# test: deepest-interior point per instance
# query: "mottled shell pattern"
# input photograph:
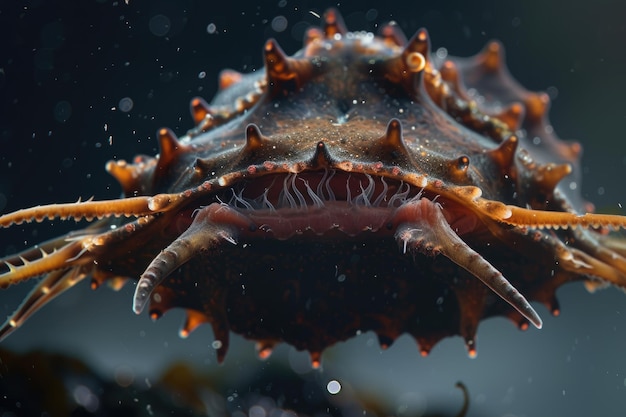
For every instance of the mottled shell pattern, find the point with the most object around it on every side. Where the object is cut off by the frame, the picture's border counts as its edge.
(360, 185)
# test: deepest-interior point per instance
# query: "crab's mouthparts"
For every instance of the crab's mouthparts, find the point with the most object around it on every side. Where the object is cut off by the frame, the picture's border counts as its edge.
(321, 203)
(325, 202)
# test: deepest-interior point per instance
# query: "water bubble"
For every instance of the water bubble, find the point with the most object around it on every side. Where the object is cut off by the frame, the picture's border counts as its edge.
(216, 344)
(86, 398)
(159, 25)
(124, 376)
(125, 104)
(371, 15)
(257, 411)
(279, 23)
(553, 92)
(211, 28)
(62, 111)
(299, 29)
(333, 387)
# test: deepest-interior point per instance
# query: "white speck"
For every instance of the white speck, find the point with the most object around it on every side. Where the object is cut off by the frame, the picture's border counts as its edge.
(333, 387)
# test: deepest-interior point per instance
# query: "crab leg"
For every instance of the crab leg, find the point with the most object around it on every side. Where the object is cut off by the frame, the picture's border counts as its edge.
(53, 285)
(211, 225)
(60, 259)
(134, 206)
(552, 219)
(422, 227)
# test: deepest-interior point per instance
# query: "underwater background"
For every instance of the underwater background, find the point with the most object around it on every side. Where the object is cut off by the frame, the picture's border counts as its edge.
(83, 82)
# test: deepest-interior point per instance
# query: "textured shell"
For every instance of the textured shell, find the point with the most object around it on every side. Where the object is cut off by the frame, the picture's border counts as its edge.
(373, 107)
